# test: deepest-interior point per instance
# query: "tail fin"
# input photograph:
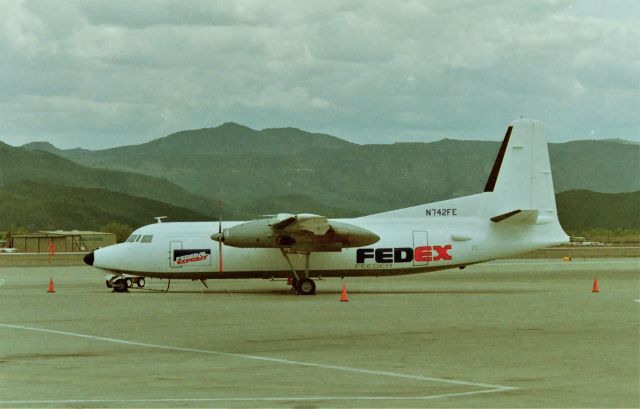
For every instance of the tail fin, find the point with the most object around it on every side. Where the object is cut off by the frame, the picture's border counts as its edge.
(521, 175)
(518, 194)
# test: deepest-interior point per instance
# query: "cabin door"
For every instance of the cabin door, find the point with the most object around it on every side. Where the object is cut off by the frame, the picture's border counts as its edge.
(174, 245)
(420, 240)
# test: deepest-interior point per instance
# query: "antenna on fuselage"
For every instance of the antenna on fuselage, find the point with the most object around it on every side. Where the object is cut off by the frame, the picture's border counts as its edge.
(159, 218)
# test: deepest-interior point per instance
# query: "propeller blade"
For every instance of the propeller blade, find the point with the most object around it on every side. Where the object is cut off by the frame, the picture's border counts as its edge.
(220, 253)
(220, 234)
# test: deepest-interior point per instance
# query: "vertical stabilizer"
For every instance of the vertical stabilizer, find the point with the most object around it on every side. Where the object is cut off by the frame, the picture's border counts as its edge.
(521, 175)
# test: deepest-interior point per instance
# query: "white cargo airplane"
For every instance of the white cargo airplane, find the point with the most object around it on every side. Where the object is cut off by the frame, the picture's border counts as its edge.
(515, 214)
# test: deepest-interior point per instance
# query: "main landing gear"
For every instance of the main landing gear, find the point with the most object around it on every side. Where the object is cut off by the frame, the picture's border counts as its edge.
(301, 285)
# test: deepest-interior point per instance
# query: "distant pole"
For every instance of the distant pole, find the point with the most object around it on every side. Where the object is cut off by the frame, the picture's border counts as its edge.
(52, 249)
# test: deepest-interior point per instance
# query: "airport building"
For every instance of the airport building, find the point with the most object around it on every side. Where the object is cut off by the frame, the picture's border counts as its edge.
(64, 241)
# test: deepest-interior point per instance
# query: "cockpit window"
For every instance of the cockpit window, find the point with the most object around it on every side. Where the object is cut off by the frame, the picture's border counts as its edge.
(146, 238)
(132, 238)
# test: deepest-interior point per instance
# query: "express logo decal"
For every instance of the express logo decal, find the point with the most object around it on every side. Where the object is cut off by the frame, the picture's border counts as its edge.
(201, 257)
(420, 254)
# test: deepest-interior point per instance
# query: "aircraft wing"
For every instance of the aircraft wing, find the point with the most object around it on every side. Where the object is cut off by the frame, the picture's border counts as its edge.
(300, 232)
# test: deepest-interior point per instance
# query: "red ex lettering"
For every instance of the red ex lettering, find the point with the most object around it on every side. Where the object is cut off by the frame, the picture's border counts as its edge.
(425, 253)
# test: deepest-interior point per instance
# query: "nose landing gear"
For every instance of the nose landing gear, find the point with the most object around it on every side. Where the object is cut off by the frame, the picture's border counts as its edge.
(121, 284)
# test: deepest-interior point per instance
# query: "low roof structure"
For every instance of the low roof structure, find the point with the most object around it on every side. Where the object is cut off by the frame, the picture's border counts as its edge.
(63, 240)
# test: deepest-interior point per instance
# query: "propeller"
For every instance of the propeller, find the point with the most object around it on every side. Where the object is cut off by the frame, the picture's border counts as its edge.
(220, 235)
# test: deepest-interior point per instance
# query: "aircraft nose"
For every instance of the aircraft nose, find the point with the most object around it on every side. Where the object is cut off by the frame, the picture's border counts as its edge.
(88, 259)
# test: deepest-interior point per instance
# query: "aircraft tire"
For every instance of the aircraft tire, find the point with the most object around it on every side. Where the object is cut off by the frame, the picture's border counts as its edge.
(306, 287)
(128, 282)
(108, 283)
(140, 283)
(120, 285)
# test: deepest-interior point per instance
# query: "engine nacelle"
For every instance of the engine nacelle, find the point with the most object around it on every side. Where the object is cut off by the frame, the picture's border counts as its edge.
(253, 234)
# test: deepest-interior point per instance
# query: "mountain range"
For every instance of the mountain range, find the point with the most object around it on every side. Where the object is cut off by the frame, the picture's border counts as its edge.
(245, 167)
(43, 206)
(290, 170)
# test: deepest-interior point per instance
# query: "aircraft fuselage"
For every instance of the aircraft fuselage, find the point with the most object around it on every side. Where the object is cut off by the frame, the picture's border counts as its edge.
(406, 246)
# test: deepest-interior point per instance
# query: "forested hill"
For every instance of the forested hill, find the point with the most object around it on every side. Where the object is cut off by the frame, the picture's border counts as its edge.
(43, 206)
(581, 210)
(19, 165)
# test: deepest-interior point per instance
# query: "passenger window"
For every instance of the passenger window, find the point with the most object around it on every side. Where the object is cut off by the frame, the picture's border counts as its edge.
(146, 238)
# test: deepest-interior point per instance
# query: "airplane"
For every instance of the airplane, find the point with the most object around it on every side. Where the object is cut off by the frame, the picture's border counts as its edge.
(516, 213)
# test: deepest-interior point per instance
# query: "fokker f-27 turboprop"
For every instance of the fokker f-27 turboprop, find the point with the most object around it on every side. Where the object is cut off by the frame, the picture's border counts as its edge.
(515, 213)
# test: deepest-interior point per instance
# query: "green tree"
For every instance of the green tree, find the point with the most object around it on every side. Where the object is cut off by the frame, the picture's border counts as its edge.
(13, 229)
(122, 231)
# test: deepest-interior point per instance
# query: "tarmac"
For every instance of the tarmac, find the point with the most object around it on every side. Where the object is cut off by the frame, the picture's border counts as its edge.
(510, 333)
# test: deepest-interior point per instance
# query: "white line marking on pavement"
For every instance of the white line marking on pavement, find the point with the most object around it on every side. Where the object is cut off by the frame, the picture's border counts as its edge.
(551, 263)
(494, 388)
(249, 399)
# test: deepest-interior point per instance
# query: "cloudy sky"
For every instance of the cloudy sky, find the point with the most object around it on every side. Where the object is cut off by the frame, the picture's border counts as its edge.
(104, 73)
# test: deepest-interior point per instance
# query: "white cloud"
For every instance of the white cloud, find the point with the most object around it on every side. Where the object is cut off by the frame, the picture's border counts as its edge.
(100, 73)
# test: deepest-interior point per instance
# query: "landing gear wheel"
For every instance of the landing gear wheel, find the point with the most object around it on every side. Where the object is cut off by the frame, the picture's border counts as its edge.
(128, 282)
(108, 283)
(306, 287)
(140, 282)
(119, 285)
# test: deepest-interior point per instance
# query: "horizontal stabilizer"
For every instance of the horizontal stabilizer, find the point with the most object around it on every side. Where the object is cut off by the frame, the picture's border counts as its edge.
(517, 217)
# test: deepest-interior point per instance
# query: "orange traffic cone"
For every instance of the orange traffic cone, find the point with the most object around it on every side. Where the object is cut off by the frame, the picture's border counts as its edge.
(595, 286)
(344, 297)
(51, 289)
